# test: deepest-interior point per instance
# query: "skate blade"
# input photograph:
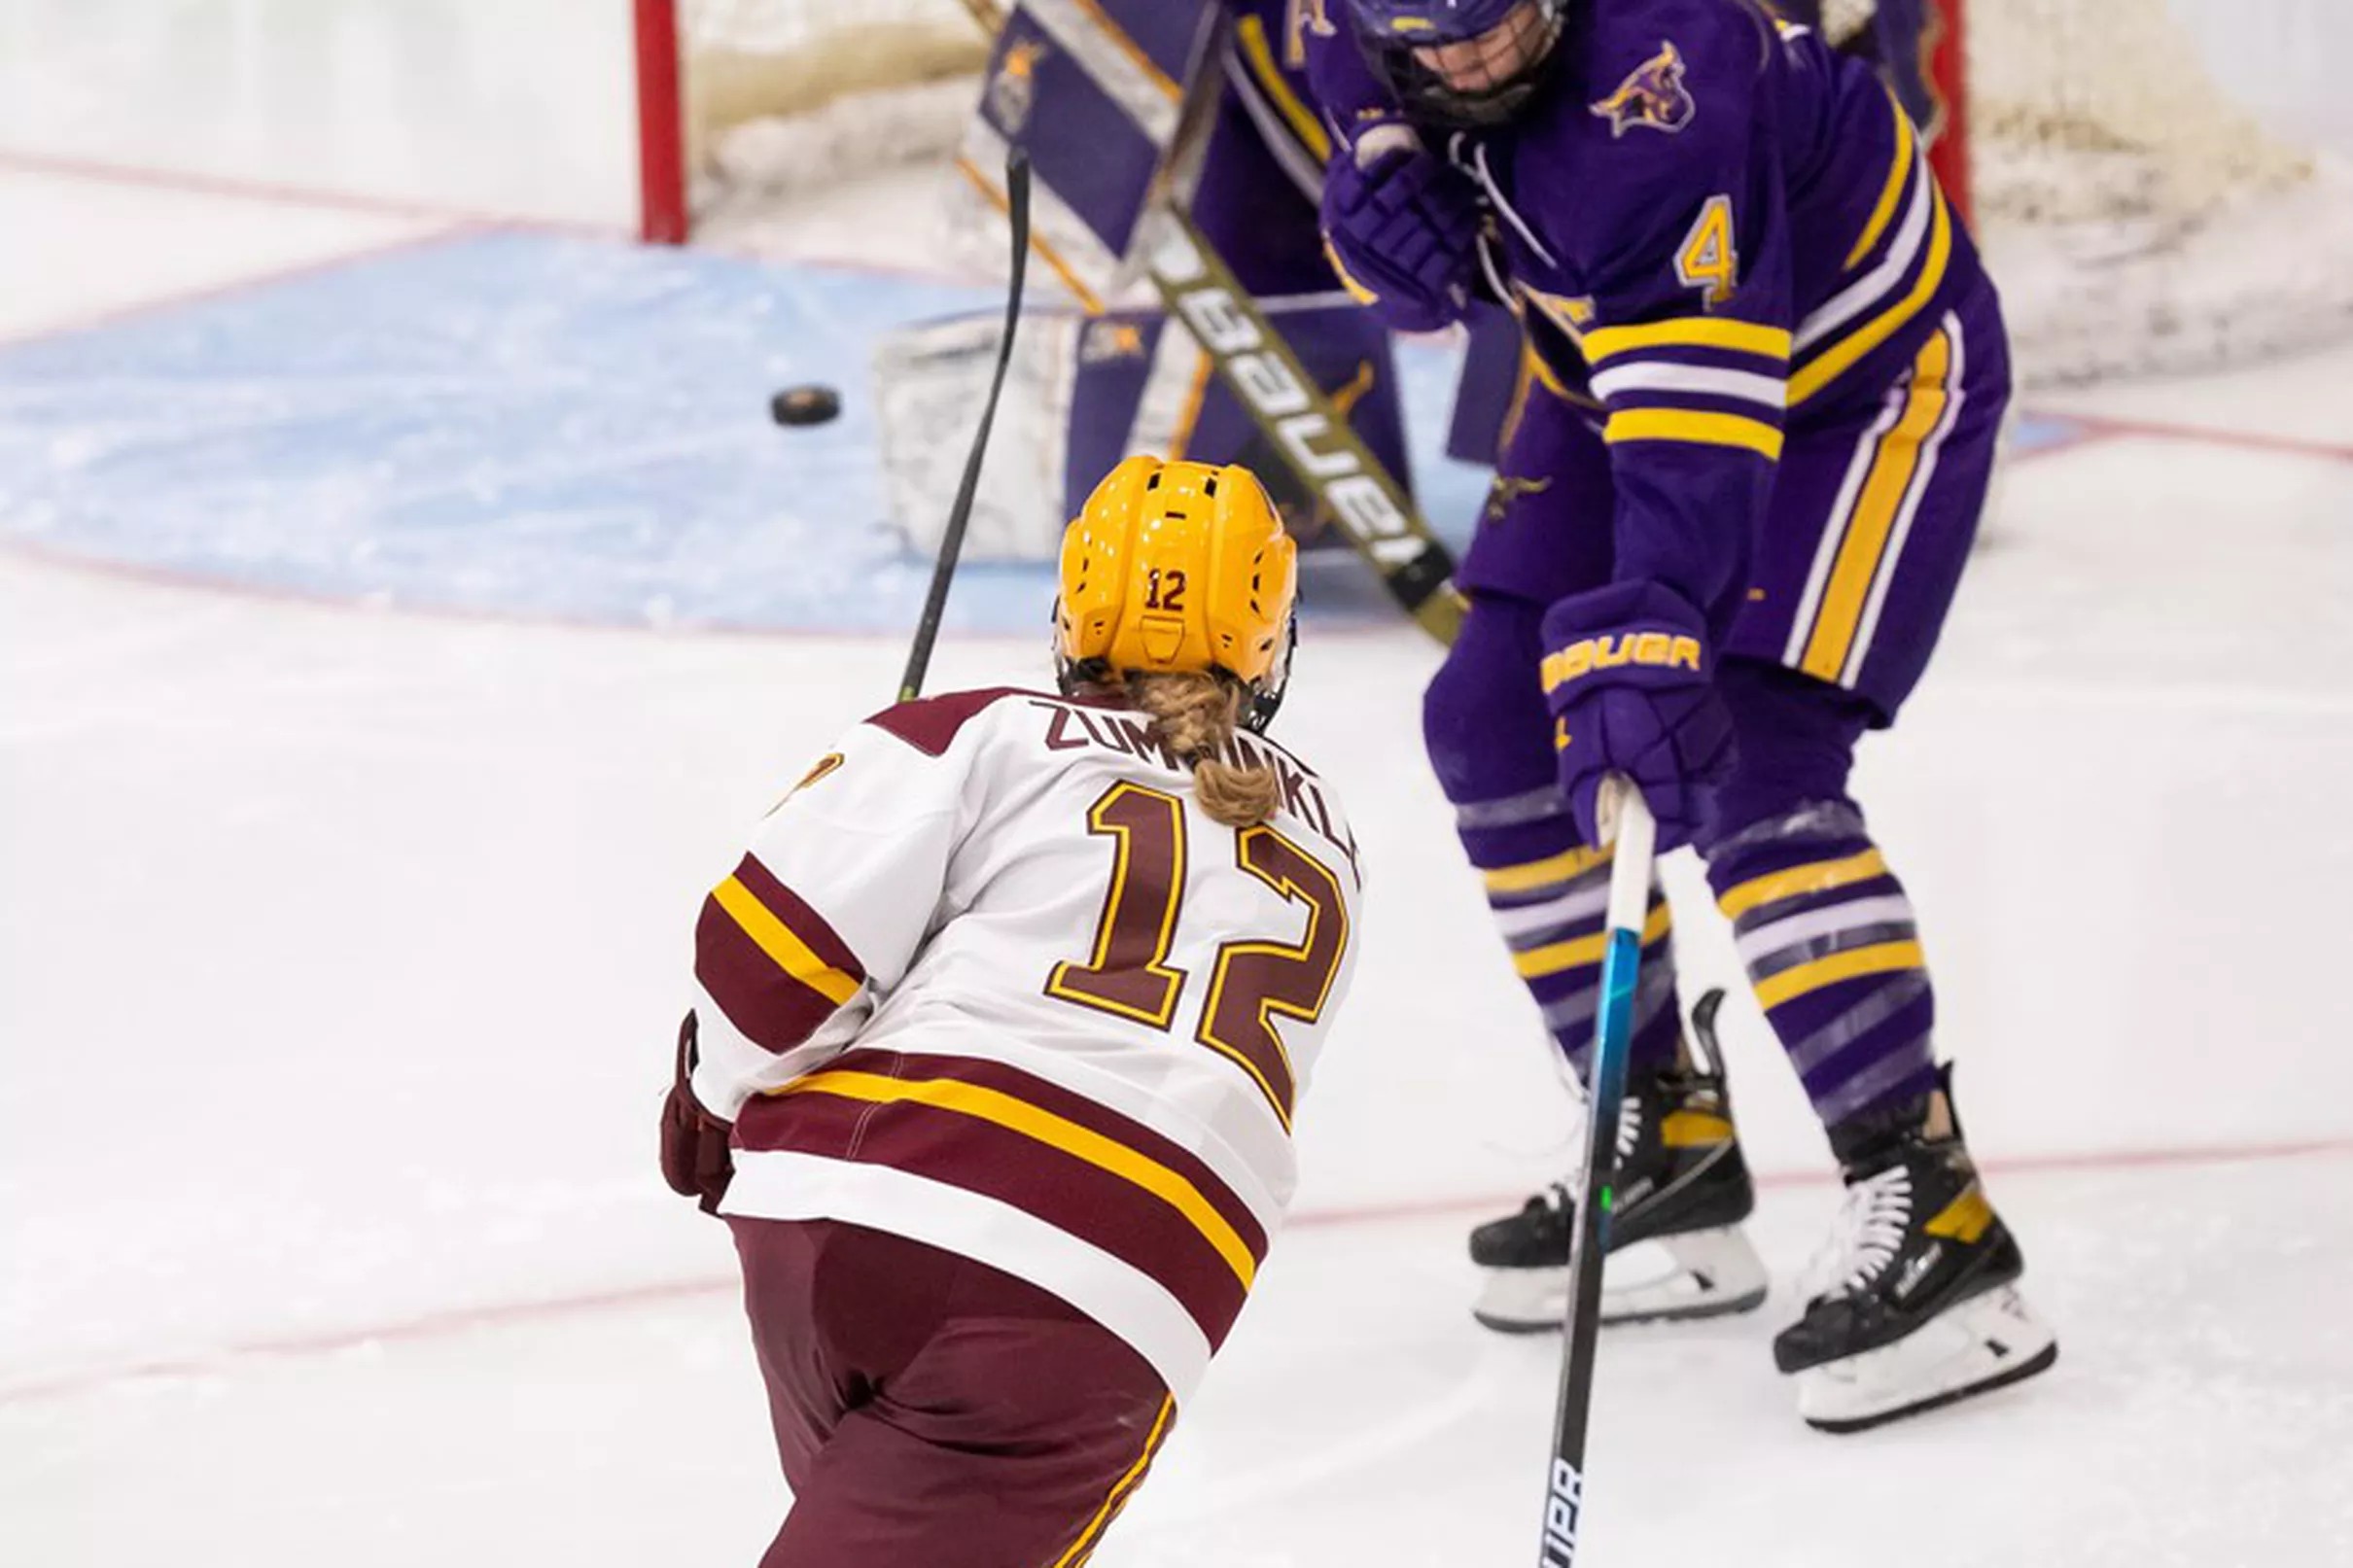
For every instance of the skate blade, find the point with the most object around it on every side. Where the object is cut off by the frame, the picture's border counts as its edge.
(1986, 1343)
(1668, 1278)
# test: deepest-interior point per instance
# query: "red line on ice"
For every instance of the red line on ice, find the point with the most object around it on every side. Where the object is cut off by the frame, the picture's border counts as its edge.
(2244, 440)
(2093, 427)
(153, 178)
(228, 287)
(465, 1320)
(2082, 431)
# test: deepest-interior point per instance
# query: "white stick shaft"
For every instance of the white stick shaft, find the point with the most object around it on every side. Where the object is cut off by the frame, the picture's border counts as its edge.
(1637, 839)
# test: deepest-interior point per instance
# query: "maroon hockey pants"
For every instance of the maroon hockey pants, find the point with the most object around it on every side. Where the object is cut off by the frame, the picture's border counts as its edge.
(934, 1413)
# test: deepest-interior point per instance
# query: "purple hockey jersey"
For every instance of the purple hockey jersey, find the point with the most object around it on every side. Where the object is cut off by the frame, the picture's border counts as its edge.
(1712, 226)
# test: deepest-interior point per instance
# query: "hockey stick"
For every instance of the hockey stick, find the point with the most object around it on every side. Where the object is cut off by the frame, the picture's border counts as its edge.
(960, 516)
(1290, 410)
(1621, 959)
(1293, 411)
(1299, 419)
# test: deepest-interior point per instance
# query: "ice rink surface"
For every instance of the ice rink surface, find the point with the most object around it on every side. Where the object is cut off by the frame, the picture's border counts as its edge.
(340, 948)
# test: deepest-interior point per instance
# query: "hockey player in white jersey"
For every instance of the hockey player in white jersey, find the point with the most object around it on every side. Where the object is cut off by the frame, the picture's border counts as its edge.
(999, 1032)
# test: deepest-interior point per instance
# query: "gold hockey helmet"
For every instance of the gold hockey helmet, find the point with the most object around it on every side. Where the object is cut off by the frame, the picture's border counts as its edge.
(1174, 567)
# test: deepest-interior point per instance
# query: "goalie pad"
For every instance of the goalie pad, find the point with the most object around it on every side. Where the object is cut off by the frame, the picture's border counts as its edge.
(930, 383)
(1086, 391)
(1095, 92)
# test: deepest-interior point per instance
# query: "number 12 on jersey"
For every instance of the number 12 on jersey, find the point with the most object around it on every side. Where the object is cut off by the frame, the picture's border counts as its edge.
(1128, 973)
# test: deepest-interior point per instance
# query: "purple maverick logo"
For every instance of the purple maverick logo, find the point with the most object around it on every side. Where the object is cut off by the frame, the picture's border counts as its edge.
(1653, 97)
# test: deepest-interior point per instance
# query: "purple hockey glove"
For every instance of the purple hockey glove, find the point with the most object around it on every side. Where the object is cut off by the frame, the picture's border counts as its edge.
(1631, 684)
(1403, 226)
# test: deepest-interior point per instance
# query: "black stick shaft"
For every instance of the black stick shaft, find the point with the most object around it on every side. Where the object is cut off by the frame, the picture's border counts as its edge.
(1613, 1038)
(960, 516)
(1564, 1482)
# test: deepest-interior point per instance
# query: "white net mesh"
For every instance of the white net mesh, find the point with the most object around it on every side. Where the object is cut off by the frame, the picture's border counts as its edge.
(783, 95)
(2154, 179)
(2104, 110)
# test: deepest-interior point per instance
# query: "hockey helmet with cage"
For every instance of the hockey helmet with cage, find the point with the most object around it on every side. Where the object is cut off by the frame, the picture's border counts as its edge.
(1174, 567)
(1460, 62)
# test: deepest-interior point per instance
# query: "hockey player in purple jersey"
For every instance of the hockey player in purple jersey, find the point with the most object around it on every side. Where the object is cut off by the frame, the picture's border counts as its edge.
(1724, 535)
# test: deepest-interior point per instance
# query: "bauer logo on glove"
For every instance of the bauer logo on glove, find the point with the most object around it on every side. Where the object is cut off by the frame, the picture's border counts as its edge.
(1657, 648)
(1631, 690)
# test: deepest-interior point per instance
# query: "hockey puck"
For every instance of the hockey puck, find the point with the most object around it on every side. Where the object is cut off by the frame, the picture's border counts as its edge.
(812, 404)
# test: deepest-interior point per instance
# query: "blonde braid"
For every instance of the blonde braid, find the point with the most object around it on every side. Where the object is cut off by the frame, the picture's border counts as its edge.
(1194, 715)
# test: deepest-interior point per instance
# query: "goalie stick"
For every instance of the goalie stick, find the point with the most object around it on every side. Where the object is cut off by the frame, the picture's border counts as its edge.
(1621, 961)
(1299, 420)
(960, 516)
(1291, 411)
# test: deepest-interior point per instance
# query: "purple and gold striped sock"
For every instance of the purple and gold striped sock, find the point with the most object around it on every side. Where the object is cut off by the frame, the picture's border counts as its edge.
(1828, 941)
(1549, 894)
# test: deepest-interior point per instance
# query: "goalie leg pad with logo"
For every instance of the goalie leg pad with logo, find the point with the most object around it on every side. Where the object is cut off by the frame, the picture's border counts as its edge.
(1087, 390)
(1546, 530)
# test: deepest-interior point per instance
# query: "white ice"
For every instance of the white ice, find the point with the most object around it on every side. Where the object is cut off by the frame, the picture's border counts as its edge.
(339, 951)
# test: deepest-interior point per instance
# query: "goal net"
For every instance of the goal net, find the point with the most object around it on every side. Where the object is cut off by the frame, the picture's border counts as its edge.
(2156, 182)
(782, 97)
(2161, 185)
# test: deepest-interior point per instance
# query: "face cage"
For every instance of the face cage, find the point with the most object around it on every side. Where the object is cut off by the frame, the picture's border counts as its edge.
(1266, 697)
(1428, 98)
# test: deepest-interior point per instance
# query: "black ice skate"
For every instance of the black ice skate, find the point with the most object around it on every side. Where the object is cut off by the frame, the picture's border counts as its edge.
(1675, 1247)
(1914, 1303)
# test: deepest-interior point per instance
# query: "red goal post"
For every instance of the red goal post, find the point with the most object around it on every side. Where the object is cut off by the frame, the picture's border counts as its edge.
(841, 86)
(1949, 74)
(662, 126)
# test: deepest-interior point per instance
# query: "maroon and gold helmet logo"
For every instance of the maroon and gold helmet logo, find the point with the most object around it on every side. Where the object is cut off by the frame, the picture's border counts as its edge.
(1654, 96)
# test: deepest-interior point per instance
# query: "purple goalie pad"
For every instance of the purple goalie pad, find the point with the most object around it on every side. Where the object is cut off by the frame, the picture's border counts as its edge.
(1139, 383)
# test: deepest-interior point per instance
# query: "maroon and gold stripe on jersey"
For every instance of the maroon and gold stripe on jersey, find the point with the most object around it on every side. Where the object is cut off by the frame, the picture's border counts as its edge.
(1046, 1184)
(770, 963)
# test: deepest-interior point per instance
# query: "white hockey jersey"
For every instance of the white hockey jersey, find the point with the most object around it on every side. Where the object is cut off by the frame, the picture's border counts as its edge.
(990, 979)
